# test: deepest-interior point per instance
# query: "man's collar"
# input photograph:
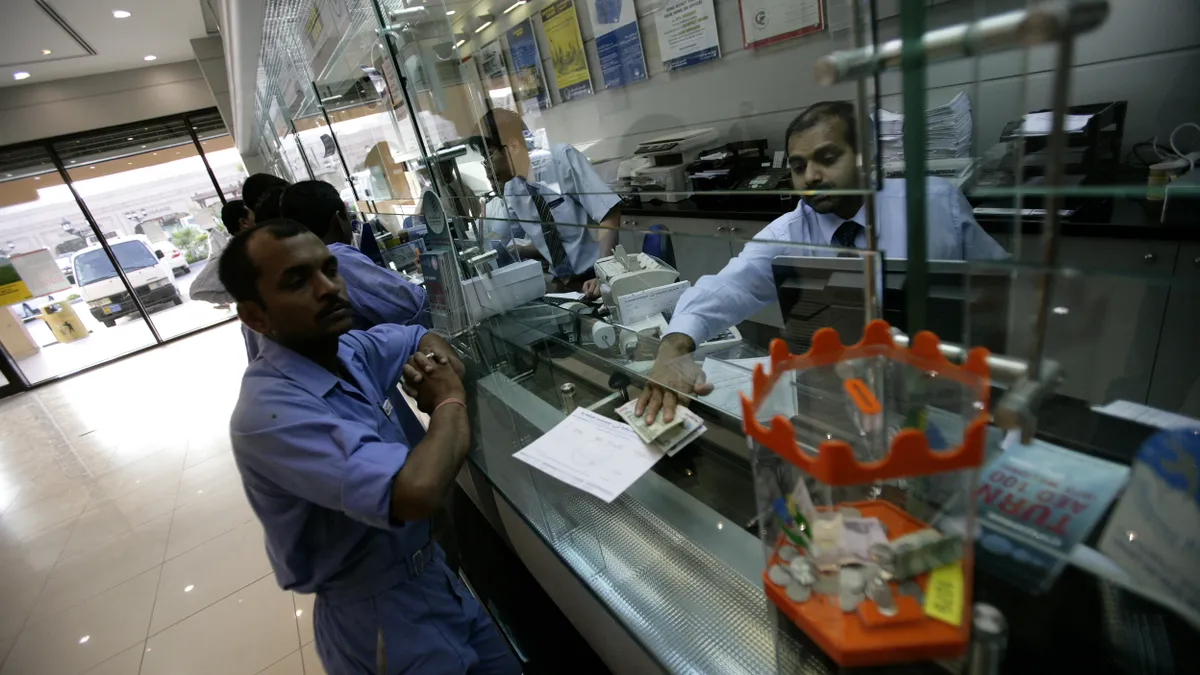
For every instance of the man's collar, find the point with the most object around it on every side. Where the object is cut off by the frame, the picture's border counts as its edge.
(303, 370)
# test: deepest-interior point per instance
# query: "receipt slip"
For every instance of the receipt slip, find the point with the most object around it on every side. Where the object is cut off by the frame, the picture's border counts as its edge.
(600, 456)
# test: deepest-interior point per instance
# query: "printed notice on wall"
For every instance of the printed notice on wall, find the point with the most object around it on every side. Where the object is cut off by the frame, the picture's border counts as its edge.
(567, 57)
(618, 42)
(322, 25)
(529, 82)
(687, 33)
(768, 21)
(494, 74)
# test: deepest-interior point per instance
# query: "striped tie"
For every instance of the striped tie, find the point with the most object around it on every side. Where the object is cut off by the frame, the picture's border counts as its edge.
(559, 265)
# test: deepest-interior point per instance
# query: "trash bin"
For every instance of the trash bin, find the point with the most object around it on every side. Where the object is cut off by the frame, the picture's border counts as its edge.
(64, 322)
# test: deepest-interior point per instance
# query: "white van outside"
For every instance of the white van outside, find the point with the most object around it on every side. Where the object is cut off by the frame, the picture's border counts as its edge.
(101, 286)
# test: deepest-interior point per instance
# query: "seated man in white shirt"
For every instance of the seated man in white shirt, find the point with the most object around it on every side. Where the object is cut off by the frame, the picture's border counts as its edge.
(821, 147)
(551, 204)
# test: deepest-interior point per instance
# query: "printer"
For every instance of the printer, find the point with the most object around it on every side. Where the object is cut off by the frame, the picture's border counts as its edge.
(659, 165)
(622, 274)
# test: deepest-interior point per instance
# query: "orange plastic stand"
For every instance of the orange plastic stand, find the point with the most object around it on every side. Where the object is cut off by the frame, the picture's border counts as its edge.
(865, 637)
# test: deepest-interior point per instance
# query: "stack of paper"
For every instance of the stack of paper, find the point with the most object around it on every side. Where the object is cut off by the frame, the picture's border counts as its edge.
(593, 453)
(948, 131)
(1039, 124)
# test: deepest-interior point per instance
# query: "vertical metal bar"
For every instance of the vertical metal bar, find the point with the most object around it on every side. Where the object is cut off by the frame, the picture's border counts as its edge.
(300, 149)
(385, 31)
(337, 147)
(872, 291)
(200, 149)
(87, 215)
(912, 60)
(1056, 149)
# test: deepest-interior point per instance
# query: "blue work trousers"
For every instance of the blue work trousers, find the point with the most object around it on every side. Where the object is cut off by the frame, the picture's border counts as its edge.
(430, 624)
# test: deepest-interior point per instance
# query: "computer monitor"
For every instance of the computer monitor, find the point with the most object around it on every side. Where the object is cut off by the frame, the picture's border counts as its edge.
(818, 292)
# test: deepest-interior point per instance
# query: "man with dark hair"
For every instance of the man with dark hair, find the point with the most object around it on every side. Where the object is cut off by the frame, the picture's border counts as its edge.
(563, 193)
(340, 472)
(235, 216)
(267, 207)
(377, 295)
(821, 149)
(256, 186)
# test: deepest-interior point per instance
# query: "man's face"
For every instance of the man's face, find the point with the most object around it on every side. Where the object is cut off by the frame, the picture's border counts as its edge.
(502, 169)
(304, 297)
(821, 159)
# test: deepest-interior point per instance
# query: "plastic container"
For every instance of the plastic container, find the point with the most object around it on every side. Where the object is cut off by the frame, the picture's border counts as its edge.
(865, 495)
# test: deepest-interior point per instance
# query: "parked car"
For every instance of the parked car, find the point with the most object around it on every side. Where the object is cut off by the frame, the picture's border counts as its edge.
(101, 286)
(167, 252)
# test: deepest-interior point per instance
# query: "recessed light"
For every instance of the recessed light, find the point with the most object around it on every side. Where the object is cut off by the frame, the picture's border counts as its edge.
(515, 5)
(84, 639)
(481, 28)
(149, 57)
(131, 138)
(121, 14)
(46, 52)
(451, 12)
(91, 167)
(20, 75)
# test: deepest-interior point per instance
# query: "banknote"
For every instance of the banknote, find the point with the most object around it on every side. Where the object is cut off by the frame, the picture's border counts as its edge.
(647, 432)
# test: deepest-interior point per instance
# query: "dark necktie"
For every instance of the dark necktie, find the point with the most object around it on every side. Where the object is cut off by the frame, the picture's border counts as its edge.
(559, 266)
(846, 233)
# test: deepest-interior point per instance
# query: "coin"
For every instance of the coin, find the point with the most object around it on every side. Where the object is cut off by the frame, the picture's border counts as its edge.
(778, 575)
(798, 592)
(788, 553)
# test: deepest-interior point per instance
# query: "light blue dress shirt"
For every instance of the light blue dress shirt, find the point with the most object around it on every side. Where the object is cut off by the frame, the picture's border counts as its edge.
(746, 284)
(317, 455)
(377, 295)
(576, 196)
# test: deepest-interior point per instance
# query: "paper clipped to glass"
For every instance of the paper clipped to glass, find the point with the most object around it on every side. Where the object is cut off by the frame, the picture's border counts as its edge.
(600, 456)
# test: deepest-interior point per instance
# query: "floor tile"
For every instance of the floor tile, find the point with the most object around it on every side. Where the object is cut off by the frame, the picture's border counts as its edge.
(207, 516)
(242, 634)
(18, 560)
(208, 573)
(304, 615)
(21, 524)
(155, 469)
(142, 505)
(204, 448)
(209, 476)
(89, 634)
(107, 522)
(292, 664)
(76, 579)
(312, 662)
(127, 662)
(19, 599)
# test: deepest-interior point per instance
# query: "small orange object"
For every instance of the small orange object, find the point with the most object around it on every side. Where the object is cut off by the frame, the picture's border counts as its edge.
(863, 399)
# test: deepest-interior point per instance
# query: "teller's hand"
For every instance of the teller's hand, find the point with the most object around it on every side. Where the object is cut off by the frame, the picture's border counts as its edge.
(674, 376)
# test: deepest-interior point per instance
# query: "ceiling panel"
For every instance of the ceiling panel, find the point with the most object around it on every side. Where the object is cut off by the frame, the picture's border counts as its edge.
(163, 28)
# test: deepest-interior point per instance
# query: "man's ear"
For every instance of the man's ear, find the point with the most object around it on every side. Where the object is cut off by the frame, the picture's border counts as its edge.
(253, 315)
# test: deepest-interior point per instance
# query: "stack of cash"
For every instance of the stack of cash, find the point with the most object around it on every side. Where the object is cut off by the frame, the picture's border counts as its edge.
(670, 437)
(923, 551)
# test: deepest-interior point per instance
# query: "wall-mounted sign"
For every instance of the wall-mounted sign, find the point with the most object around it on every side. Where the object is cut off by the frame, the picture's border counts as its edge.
(768, 21)
(618, 42)
(687, 33)
(567, 56)
(529, 82)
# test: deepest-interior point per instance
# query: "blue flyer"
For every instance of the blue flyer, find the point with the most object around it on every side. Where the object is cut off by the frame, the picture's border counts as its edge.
(618, 42)
(529, 82)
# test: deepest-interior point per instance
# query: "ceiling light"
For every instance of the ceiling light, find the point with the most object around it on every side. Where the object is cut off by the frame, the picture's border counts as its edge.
(485, 25)
(451, 12)
(459, 43)
(84, 639)
(121, 14)
(130, 138)
(46, 52)
(149, 57)
(515, 5)
(20, 75)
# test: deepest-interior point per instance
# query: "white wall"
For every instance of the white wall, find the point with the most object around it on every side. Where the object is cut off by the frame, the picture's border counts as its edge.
(1149, 57)
(37, 111)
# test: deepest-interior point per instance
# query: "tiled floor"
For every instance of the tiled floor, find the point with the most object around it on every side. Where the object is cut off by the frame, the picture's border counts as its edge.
(126, 543)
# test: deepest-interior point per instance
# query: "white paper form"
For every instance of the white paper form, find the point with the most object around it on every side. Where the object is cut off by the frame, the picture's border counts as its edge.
(600, 456)
(730, 378)
(640, 304)
(1143, 414)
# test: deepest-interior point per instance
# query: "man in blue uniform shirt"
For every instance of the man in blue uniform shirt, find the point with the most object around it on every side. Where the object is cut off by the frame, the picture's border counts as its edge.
(821, 146)
(340, 472)
(377, 295)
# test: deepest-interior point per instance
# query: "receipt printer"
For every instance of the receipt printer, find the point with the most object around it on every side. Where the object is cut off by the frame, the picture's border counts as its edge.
(621, 274)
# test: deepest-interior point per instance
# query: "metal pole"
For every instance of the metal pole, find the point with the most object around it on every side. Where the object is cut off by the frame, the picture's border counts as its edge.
(867, 144)
(87, 215)
(912, 27)
(200, 150)
(337, 147)
(300, 149)
(384, 32)
(1056, 150)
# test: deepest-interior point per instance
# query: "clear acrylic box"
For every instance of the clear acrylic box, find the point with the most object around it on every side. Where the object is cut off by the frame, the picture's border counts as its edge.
(865, 495)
